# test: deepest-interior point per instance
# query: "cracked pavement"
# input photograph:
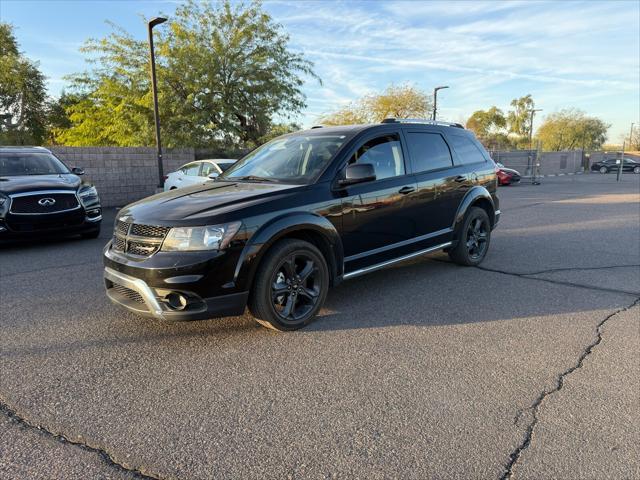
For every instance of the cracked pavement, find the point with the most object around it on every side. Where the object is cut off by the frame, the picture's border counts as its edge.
(525, 368)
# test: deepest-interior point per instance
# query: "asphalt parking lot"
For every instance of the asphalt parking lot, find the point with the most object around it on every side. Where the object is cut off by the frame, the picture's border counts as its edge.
(527, 367)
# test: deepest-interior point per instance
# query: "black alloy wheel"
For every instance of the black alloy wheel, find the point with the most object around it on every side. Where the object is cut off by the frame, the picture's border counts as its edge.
(473, 238)
(290, 285)
(295, 287)
(477, 234)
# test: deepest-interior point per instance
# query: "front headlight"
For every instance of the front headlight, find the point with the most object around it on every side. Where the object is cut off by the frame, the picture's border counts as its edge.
(184, 239)
(3, 199)
(88, 195)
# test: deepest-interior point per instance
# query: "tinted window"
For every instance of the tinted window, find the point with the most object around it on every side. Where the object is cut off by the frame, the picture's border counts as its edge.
(428, 151)
(224, 166)
(467, 151)
(384, 153)
(12, 164)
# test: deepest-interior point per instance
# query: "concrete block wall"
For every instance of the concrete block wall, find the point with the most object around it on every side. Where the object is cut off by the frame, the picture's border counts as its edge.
(122, 174)
(551, 163)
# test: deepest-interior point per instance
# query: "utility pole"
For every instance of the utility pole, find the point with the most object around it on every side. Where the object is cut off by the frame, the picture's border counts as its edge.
(435, 100)
(622, 155)
(154, 89)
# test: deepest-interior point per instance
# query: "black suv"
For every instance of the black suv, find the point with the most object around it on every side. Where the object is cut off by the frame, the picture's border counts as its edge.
(302, 213)
(40, 195)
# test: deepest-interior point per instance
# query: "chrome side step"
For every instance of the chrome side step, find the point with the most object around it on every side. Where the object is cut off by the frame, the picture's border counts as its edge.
(378, 266)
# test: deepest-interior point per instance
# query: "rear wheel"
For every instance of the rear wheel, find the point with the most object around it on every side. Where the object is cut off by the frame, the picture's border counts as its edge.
(473, 238)
(603, 170)
(636, 169)
(290, 286)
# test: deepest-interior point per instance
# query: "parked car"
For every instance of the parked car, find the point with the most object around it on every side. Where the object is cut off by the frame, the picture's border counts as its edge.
(40, 195)
(301, 213)
(507, 176)
(195, 173)
(609, 165)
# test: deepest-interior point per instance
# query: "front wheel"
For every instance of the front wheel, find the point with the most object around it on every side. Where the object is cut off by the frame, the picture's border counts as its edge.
(473, 238)
(603, 170)
(636, 169)
(290, 285)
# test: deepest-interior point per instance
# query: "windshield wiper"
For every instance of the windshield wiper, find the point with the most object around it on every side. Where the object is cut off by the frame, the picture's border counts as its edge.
(252, 178)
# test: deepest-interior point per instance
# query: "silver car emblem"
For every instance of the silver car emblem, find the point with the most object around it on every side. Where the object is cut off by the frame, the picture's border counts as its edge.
(47, 202)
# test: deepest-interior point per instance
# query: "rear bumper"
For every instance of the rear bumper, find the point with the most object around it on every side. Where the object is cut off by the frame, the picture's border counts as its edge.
(137, 296)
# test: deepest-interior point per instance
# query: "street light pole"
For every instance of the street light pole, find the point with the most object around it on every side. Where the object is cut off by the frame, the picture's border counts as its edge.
(435, 100)
(154, 88)
(532, 111)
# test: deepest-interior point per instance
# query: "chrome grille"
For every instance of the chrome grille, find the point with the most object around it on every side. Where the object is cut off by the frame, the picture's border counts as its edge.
(137, 239)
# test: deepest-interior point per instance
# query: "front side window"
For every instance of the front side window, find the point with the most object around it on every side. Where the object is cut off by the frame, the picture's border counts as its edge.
(467, 151)
(384, 153)
(191, 169)
(14, 164)
(207, 169)
(297, 159)
(428, 151)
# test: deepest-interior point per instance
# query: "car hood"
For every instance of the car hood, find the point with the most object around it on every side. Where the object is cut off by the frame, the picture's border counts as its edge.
(27, 183)
(196, 204)
(510, 170)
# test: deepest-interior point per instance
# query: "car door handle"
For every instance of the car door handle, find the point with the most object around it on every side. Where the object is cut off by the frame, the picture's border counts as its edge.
(460, 179)
(406, 190)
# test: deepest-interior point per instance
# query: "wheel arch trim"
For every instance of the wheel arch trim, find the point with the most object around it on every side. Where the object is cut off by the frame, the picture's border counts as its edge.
(286, 225)
(475, 194)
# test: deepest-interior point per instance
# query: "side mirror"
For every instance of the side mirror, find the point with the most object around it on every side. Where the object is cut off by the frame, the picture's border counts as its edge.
(358, 173)
(77, 171)
(213, 175)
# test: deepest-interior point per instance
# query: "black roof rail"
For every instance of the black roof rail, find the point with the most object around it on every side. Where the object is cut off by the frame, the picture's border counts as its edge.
(317, 126)
(422, 120)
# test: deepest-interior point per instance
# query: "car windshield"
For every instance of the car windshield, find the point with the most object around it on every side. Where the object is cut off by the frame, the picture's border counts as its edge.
(14, 164)
(297, 159)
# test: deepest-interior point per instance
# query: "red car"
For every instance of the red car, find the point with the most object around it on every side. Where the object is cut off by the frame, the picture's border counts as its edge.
(507, 176)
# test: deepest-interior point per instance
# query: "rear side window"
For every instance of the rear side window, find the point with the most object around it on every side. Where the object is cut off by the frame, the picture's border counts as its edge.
(428, 151)
(467, 151)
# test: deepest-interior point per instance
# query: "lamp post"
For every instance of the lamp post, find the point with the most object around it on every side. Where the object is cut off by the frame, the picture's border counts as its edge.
(154, 88)
(435, 100)
(532, 112)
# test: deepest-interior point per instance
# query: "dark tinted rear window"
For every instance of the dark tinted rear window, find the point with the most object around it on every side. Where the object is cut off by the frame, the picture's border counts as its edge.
(467, 151)
(428, 151)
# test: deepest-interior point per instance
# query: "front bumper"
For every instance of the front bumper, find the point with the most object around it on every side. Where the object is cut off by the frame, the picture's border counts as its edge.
(137, 296)
(30, 226)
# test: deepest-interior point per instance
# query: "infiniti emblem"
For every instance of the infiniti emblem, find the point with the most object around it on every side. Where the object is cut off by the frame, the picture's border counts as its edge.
(46, 202)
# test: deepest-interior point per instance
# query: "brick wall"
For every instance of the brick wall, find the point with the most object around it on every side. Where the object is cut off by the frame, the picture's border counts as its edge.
(122, 174)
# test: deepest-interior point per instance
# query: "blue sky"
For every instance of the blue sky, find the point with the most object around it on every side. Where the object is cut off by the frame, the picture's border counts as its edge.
(566, 54)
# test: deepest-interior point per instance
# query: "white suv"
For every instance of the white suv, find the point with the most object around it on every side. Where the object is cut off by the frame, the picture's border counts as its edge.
(197, 172)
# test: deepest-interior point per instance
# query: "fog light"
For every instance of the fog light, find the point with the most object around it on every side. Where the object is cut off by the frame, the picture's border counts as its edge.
(176, 301)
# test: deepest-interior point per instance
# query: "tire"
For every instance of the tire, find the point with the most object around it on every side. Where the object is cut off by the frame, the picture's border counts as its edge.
(604, 170)
(91, 234)
(474, 238)
(282, 297)
(636, 169)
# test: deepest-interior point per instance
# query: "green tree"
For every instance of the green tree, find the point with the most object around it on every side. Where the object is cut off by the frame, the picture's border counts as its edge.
(22, 94)
(224, 71)
(490, 128)
(403, 101)
(571, 129)
(519, 120)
